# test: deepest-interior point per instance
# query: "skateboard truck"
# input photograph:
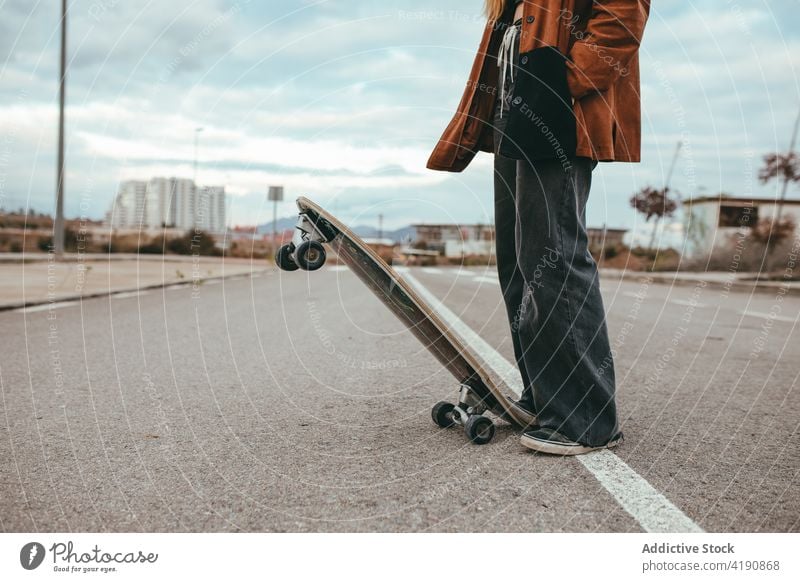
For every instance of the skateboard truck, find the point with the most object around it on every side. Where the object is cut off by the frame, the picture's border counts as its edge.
(305, 251)
(467, 413)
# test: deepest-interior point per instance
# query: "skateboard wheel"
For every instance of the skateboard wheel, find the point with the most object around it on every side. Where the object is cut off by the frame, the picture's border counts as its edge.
(442, 414)
(283, 258)
(310, 255)
(479, 429)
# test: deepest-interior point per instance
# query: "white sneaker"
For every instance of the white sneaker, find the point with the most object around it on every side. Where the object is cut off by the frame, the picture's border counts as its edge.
(551, 442)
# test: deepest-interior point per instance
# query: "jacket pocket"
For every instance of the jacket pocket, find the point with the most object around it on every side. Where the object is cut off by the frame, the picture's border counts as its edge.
(541, 121)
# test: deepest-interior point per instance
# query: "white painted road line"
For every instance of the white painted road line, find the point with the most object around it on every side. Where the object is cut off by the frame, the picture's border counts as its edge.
(128, 294)
(654, 512)
(764, 315)
(431, 270)
(632, 294)
(46, 306)
(502, 367)
(687, 303)
(471, 272)
(485, 279)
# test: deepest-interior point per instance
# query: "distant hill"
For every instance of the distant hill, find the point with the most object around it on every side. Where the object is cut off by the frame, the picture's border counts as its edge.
(398, 235)
(282, 224)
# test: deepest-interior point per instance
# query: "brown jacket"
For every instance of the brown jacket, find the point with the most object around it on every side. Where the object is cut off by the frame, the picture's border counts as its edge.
(601, 41)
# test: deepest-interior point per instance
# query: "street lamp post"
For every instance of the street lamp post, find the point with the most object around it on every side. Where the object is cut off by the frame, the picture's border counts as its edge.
(58, 223)
(275, 195)
(197, 131)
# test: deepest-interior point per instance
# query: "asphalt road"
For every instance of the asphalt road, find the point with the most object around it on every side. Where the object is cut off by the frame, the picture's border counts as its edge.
(296, 402)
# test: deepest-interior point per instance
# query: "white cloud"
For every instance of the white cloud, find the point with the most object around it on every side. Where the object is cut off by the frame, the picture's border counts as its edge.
(346, 100)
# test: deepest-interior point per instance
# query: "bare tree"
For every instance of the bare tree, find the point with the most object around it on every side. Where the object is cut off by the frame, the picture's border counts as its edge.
(654, 203)
(785, 167)
(771, 233)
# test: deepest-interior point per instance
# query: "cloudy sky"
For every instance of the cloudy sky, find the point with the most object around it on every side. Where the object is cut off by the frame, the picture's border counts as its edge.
(343, 101)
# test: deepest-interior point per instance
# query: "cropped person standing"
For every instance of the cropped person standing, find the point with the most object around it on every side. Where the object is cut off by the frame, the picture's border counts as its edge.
(554, 89)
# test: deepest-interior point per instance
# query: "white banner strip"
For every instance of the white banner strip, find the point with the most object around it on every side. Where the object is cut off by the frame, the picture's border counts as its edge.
(389, 557)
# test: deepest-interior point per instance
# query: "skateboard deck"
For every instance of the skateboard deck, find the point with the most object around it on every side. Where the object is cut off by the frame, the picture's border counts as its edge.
(477, 392)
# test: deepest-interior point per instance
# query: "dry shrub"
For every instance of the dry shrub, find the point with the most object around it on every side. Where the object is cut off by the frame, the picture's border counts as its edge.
(746, 254)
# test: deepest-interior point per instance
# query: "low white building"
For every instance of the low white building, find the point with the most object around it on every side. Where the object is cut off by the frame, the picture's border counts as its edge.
(718, 221)
(463, 248)
(459, 240)
(456, 240)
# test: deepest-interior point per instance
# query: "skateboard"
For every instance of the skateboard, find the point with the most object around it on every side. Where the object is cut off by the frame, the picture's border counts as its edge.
(477, 393)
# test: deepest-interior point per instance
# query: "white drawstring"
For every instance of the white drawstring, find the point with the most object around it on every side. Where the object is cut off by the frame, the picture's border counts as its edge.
(505, 59)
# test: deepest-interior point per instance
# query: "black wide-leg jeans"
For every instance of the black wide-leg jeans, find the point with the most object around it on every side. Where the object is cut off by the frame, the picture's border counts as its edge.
(552, 295)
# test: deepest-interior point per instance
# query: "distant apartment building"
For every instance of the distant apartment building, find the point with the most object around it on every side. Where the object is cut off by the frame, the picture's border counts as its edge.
(129, 206)
(210, 211)
(168, 202)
